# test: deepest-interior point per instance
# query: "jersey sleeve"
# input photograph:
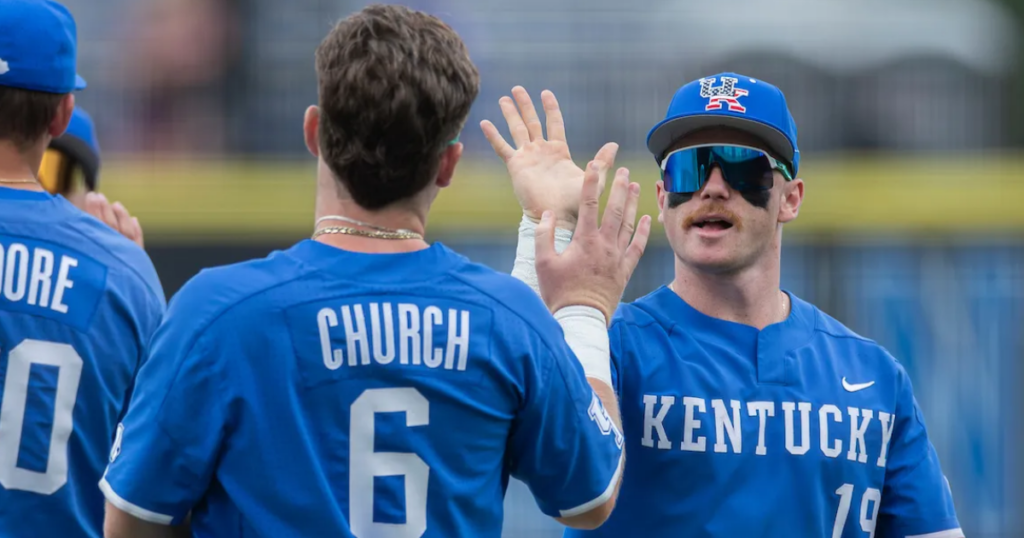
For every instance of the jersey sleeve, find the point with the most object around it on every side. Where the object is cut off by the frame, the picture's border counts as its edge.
(615, 346)
(164, 453)
(916, 499)
(564, 445)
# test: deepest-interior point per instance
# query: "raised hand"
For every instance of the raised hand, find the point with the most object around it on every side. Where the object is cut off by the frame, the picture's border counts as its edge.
(544, 176)
(596, 266)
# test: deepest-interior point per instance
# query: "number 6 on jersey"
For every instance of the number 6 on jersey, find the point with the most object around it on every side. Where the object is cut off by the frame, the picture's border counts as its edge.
(365, 464)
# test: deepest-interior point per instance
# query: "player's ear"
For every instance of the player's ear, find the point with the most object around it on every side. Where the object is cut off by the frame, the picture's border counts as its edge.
(449, 158)
(792, 197)
(662, 199)
(311, 130)
(62, 118)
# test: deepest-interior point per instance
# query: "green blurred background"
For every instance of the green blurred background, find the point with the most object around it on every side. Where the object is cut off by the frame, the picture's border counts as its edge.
(910, 121)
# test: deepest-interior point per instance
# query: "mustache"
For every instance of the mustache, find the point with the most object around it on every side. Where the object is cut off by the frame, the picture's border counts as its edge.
(713, 208)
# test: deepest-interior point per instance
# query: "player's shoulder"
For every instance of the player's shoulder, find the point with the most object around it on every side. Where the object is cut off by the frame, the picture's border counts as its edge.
(641, 313)
(99, 241)
(218, 291)
(504, 292)
(833, 334)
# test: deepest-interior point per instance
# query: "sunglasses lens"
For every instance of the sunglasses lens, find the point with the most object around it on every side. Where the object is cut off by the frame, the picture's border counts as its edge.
(683, 173)
(744, 169)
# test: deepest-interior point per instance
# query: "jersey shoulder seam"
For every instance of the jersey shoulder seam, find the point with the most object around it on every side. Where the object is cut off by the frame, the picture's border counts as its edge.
(122, 262)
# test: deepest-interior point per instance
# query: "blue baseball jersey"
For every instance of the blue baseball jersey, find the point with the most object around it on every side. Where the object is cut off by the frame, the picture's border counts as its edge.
(78, 304)
(320, 392)
(801, 429)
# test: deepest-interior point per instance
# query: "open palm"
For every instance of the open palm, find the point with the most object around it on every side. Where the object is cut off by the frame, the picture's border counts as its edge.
(544, 176)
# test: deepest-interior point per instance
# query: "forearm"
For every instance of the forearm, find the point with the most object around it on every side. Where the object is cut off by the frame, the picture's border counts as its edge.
(587, 335)
(119, 524)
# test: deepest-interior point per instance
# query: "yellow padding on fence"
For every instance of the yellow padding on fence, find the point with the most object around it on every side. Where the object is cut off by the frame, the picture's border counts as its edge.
(859, 195)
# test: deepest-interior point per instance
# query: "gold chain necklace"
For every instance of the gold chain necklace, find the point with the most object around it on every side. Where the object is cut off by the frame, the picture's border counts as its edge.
(19, 181)
(377, 232)
(374, 234)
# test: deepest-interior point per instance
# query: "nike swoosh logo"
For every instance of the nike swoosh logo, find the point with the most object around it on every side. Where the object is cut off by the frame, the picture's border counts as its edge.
(855, 387)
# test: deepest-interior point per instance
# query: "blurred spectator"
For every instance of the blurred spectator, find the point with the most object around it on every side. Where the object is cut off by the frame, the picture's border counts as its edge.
(178, 55)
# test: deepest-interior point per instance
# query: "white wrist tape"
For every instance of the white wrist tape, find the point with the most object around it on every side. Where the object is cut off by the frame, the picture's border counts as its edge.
(586, 332)
(525, 268)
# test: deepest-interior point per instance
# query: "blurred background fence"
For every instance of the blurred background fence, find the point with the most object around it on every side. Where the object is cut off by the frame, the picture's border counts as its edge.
(910, 124)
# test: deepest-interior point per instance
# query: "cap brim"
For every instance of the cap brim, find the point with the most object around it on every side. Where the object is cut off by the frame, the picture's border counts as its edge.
(79, 83)
(664, 134)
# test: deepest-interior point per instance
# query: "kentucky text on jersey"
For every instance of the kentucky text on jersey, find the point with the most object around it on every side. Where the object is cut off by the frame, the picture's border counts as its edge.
(402, 331)
(728, 427)
(29, 275)
(803, 428)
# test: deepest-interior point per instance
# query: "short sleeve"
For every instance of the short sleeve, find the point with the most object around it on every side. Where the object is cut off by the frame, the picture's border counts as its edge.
(165, 447)
(916, 499)
(564, 445)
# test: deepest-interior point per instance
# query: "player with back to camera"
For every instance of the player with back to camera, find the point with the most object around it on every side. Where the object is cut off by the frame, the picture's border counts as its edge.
(78, 302)
(366, 383)
(746, 411)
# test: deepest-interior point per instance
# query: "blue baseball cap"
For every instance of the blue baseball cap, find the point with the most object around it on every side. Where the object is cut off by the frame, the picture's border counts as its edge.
(38, 47)
(729, 100)
(83, 128)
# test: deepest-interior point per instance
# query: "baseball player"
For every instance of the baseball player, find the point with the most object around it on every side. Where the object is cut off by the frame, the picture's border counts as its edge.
(746, 411)
(78, 301)
(364, 383)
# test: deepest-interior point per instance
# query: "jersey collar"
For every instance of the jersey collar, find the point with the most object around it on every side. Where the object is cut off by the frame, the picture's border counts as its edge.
(792, 333)
(384, 268)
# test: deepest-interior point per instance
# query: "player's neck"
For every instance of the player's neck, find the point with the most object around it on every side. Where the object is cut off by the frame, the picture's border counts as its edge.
(329, 201)
(16, 165)
(751, 297)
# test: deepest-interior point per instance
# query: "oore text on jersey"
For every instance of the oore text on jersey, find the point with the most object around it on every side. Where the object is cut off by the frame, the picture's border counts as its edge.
(405, 332)
(34, 276)
(728, 427)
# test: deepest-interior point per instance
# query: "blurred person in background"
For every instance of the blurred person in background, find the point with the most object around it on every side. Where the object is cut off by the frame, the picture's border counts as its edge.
(71, 167)
(747, 411)
(79, 300)
(176, 59)
(392, 386)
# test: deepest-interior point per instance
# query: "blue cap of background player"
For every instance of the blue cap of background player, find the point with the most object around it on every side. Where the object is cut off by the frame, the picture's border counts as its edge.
(38, 47)
(729, 100)
(83, 128)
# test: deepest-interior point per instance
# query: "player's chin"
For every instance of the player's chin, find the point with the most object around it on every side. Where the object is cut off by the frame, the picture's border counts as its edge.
(713, 259)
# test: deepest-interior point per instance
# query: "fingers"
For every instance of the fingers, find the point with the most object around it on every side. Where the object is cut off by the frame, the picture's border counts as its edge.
(137, 233)
(529, 113)
(589, 200)
(553, 115)
(98, 206)
(114, 215)
(498, 143)
(605, 160)
(629, 217)
(606, 154)
(124, 220)
(636, 248)
(127, 224)
(544, 250)
(516, 127)
(615, 210)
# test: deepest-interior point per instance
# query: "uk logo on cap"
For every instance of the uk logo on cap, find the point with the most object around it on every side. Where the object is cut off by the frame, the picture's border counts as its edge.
(727, 93)
(733, 101)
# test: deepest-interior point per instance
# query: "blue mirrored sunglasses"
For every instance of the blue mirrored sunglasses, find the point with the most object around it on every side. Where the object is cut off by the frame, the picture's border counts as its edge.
(743, 168)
